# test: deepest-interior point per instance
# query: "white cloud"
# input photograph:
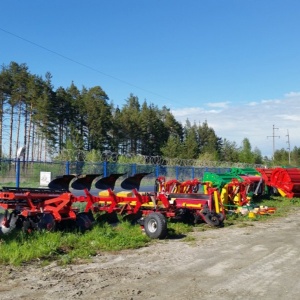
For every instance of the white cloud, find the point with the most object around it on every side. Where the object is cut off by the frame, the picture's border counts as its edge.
(219, 104)
(253, 120)
(253, 103)
(274, 101)
(290, 117)
(187, 111)
(292, 94)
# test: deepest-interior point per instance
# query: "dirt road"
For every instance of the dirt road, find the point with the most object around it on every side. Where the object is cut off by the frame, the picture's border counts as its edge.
(253, 262)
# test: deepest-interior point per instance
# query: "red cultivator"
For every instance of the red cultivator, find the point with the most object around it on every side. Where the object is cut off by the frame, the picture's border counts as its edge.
(54, 207)
(38, 209)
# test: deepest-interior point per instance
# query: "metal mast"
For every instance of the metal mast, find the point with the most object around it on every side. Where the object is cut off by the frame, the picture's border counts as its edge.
(274, 136)
(289, 146)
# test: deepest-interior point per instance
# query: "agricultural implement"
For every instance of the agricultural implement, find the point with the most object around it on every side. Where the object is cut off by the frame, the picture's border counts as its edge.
(254, 181)
(236, 187)
(31, 209)
(52, 208)
(40, 208)
(286, 181)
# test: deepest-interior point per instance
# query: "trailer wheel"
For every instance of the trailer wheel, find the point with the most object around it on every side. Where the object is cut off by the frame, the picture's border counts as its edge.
(155, 226)
(211, 219)
(221, 217)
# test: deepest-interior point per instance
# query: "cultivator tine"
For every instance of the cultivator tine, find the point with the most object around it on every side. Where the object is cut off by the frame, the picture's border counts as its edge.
(84, 181)
(61, 182)
(133, 182)
(108, 182)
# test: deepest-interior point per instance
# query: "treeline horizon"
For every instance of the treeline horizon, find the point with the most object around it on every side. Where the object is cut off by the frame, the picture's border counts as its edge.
(50, 121)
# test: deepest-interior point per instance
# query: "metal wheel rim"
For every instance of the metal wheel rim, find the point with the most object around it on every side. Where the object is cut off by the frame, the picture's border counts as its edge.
(152, 226)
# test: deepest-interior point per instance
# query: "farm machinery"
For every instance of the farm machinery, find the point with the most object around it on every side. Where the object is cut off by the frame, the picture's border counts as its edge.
(54, 208)
(236, 187)
(32, 209)
(284, 181)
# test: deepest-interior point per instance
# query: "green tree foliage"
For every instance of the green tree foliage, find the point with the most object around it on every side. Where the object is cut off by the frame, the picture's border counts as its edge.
(229, 151)
(70, 120)
(295, 156)
(173, 147)
(116, 134)
(98, 118)
(258, 159)
(64, 115)
(283, 158)
(153, 130)
(190, 147)
(209, 142)
(5, 93)
(172, 125)
(130, 119)
(19, 77)
(246, 155)
(43, 106)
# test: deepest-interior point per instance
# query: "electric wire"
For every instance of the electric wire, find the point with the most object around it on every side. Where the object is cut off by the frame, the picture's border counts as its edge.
(83, 65)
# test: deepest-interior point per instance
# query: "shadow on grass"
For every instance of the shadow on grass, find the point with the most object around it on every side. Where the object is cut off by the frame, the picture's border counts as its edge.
(173, 235)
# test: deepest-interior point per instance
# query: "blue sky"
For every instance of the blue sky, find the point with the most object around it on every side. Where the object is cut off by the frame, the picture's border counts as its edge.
(234, 63)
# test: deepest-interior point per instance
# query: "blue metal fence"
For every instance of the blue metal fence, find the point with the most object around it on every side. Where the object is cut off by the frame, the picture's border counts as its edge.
(21, 173)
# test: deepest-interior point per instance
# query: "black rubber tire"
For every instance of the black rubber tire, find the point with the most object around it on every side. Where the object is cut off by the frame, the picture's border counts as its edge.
(211, 219)
(155, 226)
(221, 217)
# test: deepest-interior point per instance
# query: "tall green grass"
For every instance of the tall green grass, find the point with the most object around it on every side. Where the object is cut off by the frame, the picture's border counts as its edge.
(65, 247)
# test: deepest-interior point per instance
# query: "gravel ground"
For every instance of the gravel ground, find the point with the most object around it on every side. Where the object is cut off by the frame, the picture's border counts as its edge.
(259, 261)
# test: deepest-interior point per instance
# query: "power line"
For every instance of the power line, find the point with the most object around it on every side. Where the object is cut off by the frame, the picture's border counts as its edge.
(83, 65)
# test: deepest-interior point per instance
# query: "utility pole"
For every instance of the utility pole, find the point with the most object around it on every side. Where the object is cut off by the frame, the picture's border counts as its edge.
(289, 146)
(274, 136)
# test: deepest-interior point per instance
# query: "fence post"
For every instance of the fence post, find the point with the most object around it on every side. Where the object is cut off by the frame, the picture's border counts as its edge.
(133, 169)
(67, 168)
(18, 173)
(157, 171)
(105, 168)
(20, 153)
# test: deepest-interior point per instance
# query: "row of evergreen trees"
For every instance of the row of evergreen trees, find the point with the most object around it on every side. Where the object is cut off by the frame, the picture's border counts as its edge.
(48, 121)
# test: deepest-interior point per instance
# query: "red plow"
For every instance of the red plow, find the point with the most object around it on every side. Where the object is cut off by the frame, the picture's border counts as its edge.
(30, 209)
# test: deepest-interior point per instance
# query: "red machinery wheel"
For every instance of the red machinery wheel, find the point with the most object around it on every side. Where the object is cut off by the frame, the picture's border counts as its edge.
(155, 226)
